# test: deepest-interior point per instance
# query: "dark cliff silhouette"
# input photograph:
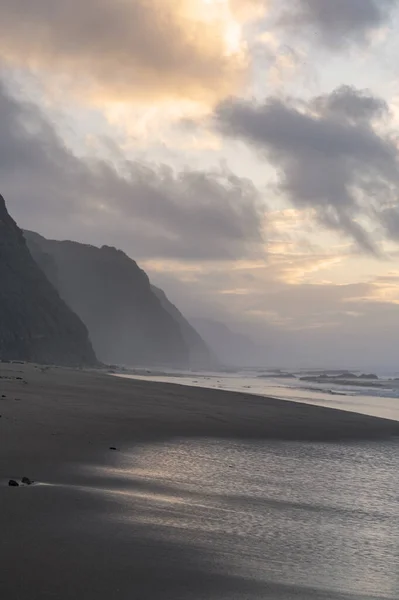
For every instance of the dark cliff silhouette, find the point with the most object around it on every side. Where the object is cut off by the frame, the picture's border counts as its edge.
(35, 323)
(129, 322)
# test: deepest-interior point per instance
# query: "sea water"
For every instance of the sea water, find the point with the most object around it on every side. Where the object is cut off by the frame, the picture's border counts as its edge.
(278, 520)
(381, 401)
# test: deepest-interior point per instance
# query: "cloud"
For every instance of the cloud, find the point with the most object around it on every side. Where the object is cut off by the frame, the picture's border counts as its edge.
(332, 155)
(249, 9)
(147, 210)
(390, 218)
(338, 22)
(312, 322)
(353, 105)
(127, 49)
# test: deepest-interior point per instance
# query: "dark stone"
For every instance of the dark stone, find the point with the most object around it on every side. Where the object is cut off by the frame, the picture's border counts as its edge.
(27, 481)
(112, 448)
(35, 323)
(13, 483)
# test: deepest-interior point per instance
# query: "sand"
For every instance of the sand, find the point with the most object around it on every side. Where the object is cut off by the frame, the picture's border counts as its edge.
(56, 541)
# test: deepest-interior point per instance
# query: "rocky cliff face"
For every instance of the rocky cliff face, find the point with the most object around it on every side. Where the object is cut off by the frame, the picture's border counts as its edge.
(200, 355)
(127, 321)
(35, 323)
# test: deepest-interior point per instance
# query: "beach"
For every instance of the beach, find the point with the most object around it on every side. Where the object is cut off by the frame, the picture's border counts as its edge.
(376, 399)
(76, 533)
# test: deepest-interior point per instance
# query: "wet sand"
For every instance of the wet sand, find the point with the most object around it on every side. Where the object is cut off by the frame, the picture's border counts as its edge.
(58, 540)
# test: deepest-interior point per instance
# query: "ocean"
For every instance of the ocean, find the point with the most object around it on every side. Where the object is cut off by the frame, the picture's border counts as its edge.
(254, 520)
(276, 520)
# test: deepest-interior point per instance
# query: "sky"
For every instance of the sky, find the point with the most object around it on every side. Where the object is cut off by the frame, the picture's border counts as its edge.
(244, 152)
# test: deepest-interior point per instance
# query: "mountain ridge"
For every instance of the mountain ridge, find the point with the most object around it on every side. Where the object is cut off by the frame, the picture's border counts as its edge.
(129, 322)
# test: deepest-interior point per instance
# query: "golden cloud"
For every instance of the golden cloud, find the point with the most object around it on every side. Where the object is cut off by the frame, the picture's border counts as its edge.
(130, 49)
(248, 9)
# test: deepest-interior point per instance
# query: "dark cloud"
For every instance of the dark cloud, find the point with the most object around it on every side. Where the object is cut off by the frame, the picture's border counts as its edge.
(149, 211)
(124, 49)
(351, 104)
(390, 218)
(340, 22)
(329, 153)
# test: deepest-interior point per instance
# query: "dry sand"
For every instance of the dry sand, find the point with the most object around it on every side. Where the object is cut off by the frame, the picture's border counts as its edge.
(55, 540)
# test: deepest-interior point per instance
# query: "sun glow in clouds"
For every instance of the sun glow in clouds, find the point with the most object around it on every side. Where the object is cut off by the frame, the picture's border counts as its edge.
(161, 61)
(221, 11)
(138, 50)
(143, 122)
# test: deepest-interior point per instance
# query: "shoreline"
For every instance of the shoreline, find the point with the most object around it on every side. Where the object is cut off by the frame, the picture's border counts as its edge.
(72, 537)
(64, 411)
(361, 404)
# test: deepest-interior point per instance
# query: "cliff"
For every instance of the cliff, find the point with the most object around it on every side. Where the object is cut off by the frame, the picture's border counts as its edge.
(200, 356)
(35, 323)
(127, 321)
